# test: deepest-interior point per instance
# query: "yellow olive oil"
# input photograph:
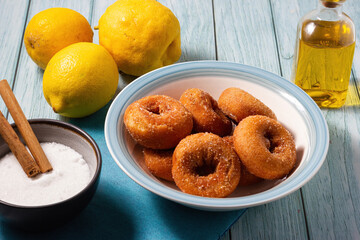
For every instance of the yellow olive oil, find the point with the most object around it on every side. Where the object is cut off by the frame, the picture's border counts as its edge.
(323, 61)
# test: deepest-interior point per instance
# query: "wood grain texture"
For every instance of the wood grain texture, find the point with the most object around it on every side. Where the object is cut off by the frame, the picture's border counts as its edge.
(331, 209)
(197, 33)
(327, 197)
(282, 219)
(286, 18)
(329, 213)
(28, 82)
(352, 9)
(12, 21)
(245, 34)
(352, 150)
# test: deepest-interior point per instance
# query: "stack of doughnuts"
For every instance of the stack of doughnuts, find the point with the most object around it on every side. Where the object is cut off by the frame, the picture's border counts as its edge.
(193, 142)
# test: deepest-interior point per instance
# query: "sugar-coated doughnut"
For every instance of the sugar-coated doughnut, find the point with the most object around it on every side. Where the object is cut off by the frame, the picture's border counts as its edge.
(238, 104)
(158, 121)
(251, 141)
(246, 178)
(205, 165)
(207, 115)
(159, 162)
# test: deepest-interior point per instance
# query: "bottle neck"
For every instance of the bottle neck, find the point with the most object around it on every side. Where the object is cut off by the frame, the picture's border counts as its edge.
(330, 10)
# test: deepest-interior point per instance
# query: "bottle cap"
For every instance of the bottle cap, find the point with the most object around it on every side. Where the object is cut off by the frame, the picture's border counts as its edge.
(332, 3)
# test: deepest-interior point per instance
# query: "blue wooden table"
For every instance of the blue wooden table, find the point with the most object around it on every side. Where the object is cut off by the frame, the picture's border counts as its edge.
(260, 33)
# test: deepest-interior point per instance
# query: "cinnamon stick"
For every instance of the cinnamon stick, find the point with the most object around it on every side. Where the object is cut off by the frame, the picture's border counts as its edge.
(24, 127)
(23, 156)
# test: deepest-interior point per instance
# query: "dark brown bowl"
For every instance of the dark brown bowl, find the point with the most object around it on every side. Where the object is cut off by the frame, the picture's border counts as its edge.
(49, 130)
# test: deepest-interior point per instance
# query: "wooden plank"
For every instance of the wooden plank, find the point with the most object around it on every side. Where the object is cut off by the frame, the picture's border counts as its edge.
(286, 16)
(245, 34)
(12, 21)
(282, 219)
(352, 9)
(352, 125)
(28, 82)
(352, 151)
(331, 197)
(197, 33)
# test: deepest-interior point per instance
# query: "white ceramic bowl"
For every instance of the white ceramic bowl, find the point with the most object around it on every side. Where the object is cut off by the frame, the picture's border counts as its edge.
(292, 106)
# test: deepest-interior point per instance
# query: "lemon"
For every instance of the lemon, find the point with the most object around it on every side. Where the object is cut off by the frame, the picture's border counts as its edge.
(80, 79)
(141, 35)
(53, 29)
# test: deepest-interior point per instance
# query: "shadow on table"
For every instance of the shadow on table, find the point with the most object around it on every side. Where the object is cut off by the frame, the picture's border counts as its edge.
(182, 220)
(102, 219)
(94, 122)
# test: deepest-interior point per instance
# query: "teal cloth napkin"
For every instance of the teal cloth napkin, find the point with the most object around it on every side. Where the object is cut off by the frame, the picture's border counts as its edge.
(121, 209)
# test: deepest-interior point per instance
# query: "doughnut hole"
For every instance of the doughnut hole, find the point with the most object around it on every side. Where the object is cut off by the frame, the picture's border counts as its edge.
(269, 144)
(155, 109)
(206, 169)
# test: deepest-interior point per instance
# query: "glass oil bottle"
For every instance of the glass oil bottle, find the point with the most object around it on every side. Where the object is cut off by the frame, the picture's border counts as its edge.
(324, 53)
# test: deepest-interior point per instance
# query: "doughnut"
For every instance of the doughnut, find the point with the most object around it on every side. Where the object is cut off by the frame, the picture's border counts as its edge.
(158, 121)
(205, 165)
(246, 178)
(251, 141)
(207, 115)
(159, 162)
(238, 104)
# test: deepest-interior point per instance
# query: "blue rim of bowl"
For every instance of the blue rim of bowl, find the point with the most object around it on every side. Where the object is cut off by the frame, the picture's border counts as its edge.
(83, 134)
(202, 68)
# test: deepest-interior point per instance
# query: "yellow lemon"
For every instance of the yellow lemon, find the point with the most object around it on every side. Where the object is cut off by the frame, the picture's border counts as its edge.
(141, 35)
(80, 79)
(53, 29)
